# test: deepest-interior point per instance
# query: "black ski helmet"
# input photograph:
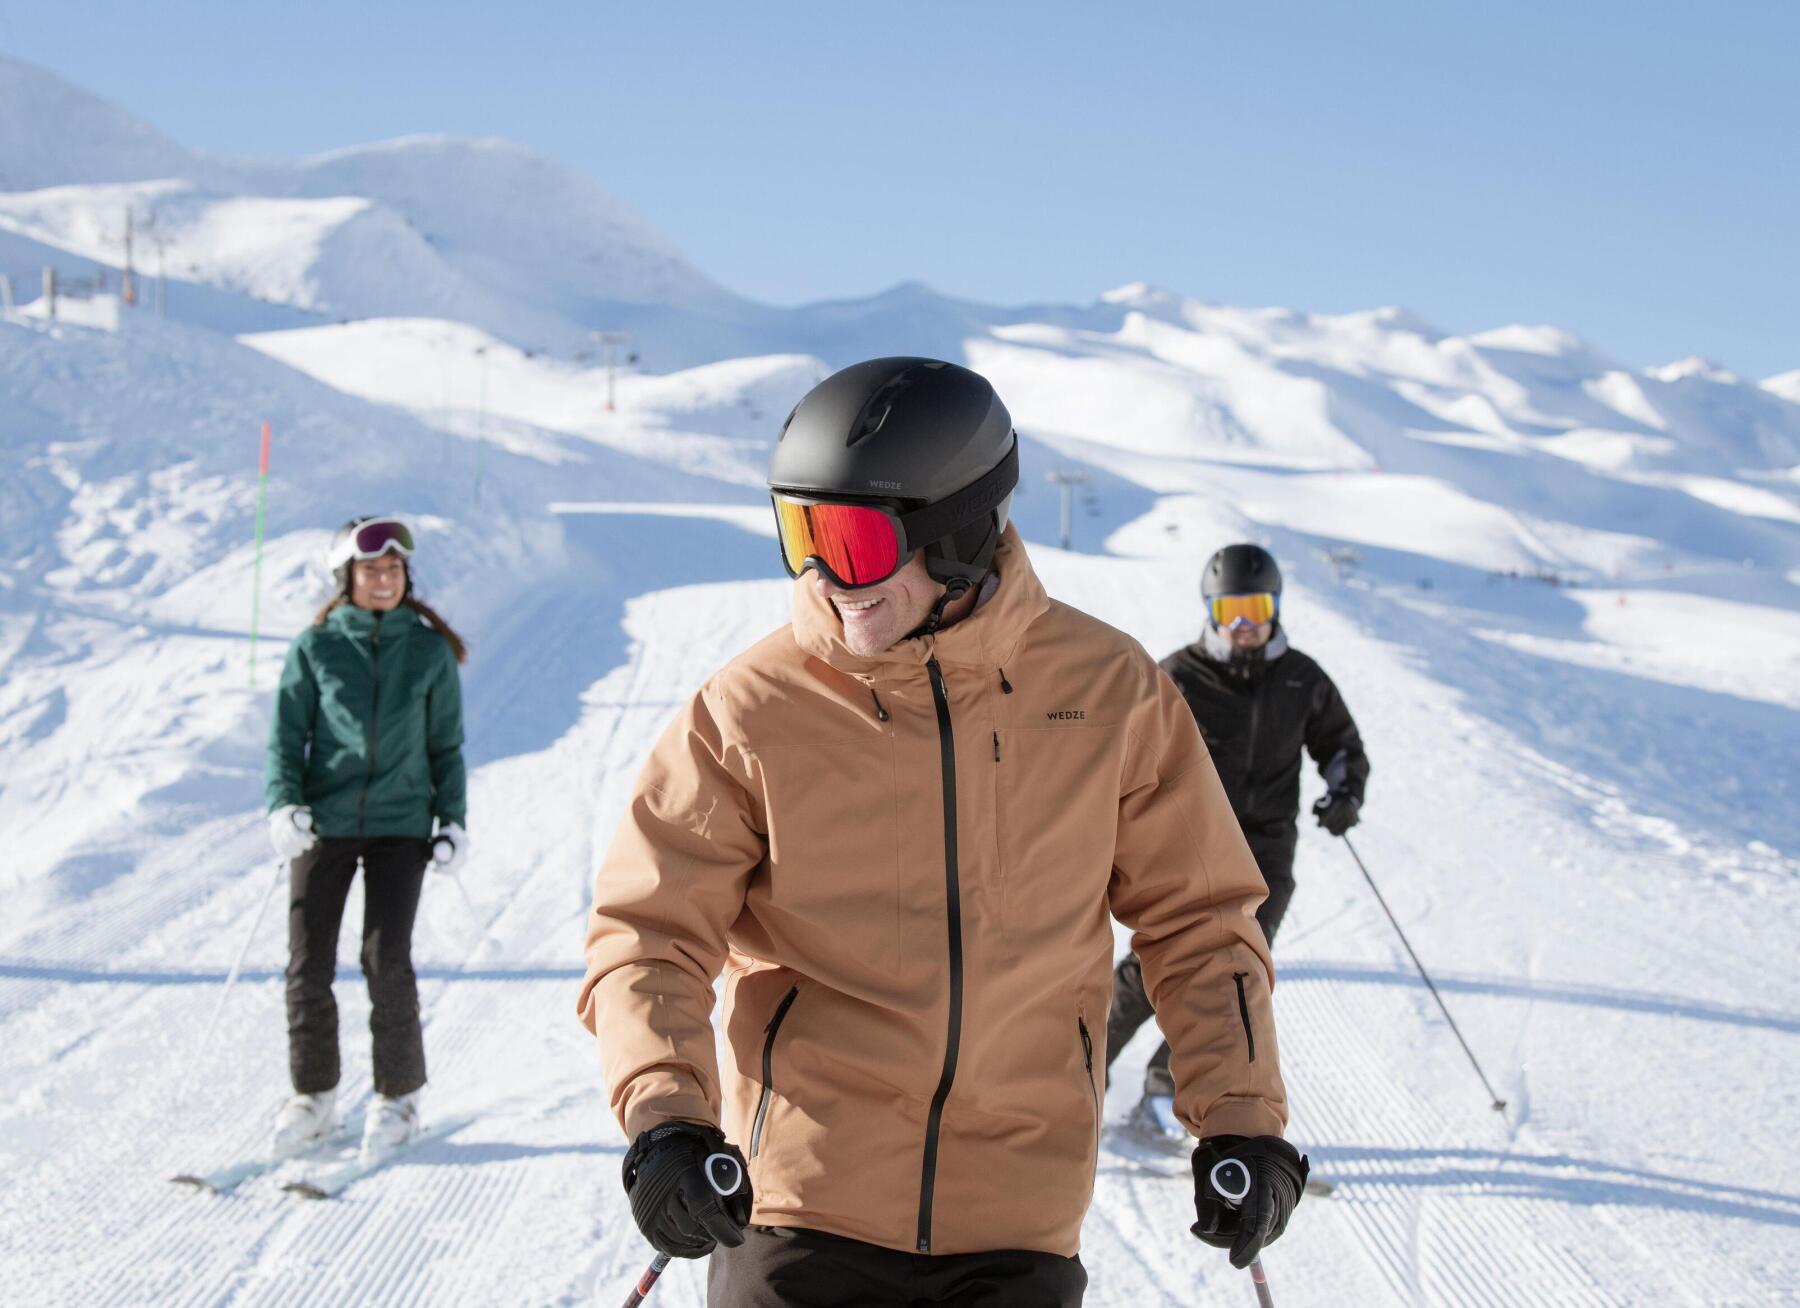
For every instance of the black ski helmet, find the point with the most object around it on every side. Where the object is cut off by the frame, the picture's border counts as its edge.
(341, 563)
(913, 432)
(1240, 570)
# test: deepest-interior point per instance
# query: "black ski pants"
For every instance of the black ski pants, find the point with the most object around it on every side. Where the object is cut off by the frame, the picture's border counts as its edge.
(393, 873)
(1131, 1006)
(785, 1267)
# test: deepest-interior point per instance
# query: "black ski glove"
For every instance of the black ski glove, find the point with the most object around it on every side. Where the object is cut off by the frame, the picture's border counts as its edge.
(1337, 811)
(1277, 1175)
(673, 1174)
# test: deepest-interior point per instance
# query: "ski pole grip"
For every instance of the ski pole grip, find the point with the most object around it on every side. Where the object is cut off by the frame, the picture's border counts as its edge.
(724, 1174)
(1231, 1180)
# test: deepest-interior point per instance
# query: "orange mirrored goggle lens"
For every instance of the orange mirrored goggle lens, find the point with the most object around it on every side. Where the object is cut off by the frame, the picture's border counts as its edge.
(1229, 610)
(857, 543)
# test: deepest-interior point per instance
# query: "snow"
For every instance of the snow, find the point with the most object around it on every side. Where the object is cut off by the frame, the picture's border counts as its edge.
(52, 132)
(1693, 366)
(1562, 598)
(478, 229)
(1786, 385)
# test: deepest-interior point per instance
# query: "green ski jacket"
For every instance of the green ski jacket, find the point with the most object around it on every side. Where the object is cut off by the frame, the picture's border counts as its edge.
(368, 726)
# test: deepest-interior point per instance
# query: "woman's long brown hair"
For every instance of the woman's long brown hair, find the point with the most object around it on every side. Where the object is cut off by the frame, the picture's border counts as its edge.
(433, 619)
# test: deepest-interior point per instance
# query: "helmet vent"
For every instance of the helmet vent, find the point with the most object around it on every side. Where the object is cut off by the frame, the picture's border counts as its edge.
(875, 412)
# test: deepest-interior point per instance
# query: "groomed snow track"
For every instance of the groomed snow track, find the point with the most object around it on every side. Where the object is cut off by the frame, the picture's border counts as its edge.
(1439, 1201)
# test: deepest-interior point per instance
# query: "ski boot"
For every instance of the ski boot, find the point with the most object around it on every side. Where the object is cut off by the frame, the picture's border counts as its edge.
(391, 1123)
(1154, 1122)
(305, 1120)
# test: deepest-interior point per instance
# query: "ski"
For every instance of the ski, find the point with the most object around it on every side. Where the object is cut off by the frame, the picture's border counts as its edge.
(225, 1179)
(331, 1181)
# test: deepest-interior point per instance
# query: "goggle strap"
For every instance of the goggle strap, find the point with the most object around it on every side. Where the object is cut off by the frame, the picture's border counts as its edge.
(936, 521)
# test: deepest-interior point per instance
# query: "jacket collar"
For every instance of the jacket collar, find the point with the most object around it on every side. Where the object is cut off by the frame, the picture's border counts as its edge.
(987, 638)
(1214, 646)
(364, 623)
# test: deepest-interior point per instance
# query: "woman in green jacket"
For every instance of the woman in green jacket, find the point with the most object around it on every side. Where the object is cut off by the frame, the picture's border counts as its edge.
(365, 760)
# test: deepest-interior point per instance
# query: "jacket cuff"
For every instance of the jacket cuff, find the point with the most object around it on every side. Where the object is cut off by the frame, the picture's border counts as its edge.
(1247, 1117)
(642, 1114)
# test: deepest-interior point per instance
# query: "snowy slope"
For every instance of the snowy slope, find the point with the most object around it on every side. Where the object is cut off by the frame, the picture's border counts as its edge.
(482, 230)
(1786, 385)
(1560, 596)
(53, 133)
(506, 216)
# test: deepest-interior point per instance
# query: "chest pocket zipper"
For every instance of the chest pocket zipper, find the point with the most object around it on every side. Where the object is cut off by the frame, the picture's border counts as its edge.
(768, 1068)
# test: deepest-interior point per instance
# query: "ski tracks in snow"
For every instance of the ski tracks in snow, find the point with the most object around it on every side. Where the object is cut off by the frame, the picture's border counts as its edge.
(1436, 1205)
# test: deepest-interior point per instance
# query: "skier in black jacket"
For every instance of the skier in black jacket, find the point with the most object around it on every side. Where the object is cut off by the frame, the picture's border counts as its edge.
(1258, 703)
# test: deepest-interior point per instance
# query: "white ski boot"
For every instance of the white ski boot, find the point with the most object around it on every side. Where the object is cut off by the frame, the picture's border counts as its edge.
(1154, 1121)
(305, 1120)
(391, 1123)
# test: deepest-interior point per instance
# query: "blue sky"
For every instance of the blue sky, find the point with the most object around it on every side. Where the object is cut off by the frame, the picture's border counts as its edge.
(1627, 171)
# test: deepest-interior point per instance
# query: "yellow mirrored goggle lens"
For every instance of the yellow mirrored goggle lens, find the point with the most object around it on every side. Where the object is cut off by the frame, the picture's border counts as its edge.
(1227, 610)
(796, 540)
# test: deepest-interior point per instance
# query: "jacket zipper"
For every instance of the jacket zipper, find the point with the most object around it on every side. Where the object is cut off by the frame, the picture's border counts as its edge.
(1250, 745)
(1087, 1059)
(768, 1069)
(1244, 1013)
(953, 906)
(373, 734)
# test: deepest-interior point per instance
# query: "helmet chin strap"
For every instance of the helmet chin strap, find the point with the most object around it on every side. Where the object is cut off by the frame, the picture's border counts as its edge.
(954, 590)
(943, 564)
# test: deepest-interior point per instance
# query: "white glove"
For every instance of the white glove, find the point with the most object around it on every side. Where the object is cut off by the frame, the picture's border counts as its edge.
(291, 832)
(449, 848)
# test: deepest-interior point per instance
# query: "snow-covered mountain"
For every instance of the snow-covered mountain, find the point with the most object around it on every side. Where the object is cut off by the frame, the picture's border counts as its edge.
(1786, 385)
(1559, 593)
(481, 230)
(53, 133)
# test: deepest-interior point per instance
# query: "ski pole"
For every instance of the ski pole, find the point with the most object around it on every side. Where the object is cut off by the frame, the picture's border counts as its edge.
(719, 1169)
(1499, 1104)
(1232, 1181)
(470, 911)
(230, 981)
(468, 903)
(647, 1280)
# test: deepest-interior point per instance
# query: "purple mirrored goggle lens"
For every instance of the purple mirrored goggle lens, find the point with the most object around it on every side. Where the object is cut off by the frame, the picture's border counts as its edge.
(373, 539)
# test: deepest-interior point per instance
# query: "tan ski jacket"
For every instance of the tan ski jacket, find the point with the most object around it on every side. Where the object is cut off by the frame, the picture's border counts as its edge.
(904, 866)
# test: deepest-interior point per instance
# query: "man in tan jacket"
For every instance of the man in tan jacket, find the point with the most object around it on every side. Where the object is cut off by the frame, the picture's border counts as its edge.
(898, 827)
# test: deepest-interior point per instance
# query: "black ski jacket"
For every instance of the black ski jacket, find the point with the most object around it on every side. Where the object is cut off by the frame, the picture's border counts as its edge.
(1255, 716)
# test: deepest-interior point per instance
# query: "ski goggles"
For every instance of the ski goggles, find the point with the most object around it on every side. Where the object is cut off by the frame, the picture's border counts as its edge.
(853, 544)
(372, 539)
(1252, 610)
(864, 542)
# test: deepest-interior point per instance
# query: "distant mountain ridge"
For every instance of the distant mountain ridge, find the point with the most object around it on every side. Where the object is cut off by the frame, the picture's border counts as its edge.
(53, 133)
(476, 228)
(485, 232)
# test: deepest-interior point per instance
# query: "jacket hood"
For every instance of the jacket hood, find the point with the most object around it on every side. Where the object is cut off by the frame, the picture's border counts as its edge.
(987, 638)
